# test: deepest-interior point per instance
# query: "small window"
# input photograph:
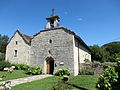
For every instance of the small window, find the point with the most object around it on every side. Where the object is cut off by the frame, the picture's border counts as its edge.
(49, 52)
(16, 42)
(50, 41)
(15, 54)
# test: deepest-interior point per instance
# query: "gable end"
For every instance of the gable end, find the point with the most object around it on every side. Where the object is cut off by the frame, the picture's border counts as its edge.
(26, 38)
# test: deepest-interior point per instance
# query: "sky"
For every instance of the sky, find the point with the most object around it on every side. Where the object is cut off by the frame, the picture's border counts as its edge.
(95, 21)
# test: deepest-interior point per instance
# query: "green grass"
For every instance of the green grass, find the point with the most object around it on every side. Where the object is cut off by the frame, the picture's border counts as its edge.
(14, 75)
(86, 82)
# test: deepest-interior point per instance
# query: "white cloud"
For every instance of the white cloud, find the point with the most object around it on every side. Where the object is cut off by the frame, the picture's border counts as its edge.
(79, 19)
(65, 13)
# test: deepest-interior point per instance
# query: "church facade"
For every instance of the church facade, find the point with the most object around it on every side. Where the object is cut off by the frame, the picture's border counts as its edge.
(51, 49)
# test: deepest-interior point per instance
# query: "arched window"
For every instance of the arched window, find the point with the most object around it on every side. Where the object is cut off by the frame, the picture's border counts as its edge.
(15, 53)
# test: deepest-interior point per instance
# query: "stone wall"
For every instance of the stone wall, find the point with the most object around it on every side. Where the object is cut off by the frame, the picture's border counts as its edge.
(60, 49)
(22, 48)
(98, 68)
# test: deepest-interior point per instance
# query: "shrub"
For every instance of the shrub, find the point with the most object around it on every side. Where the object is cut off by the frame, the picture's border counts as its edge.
(17, 66)
(86, 72)
(28, 69)
(4, 64)
(34, 70)
(118, 70)
(108, 79)
(24, 66)
(62, 71)
(21, 66)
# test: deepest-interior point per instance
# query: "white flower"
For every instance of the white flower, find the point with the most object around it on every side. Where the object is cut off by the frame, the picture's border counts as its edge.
(6, 69)
(0, 78)
(12, 67)
(10, 70)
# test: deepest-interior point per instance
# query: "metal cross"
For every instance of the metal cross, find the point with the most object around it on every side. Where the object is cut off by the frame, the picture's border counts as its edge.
(53, 12)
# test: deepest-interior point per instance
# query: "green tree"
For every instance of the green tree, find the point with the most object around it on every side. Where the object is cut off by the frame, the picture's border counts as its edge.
(3, 43)
(112, 58)
(2, 56)
(98, 53)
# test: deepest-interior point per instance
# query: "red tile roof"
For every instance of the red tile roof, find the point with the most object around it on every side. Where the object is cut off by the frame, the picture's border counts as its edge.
(26, 37)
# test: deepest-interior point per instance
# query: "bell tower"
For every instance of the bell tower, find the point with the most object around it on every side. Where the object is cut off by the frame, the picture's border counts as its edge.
(52, 21)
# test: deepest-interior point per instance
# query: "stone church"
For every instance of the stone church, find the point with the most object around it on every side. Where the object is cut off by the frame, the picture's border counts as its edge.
(52, 48)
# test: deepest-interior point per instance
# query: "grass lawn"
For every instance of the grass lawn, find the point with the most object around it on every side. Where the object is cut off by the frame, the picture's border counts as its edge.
(85, 82)
(14, 75)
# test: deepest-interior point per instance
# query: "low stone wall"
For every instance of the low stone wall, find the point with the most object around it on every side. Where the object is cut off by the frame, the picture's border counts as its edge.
(92, 66)
(97, 66)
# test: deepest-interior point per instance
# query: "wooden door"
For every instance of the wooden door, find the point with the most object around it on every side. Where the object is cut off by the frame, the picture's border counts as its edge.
(50, 66)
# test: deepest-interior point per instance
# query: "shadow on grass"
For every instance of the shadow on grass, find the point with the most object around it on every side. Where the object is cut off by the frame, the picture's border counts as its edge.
(73, 85)
(65, 85)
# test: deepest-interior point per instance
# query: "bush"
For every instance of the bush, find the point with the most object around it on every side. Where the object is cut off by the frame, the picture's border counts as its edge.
(108, 80)
(17, 66)
(86, 72)
(118, 70)
(4, 64)
(62, 71)
(24, 66)
(28, 69)
(21, 66)
(34, 70)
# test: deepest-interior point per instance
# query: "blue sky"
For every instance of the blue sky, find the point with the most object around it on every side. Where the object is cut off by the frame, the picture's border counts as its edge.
(95, 21)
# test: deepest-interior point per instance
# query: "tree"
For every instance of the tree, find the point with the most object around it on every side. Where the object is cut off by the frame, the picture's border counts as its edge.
(2, 56)
(98, 53)
(3, 43)
(112, 58)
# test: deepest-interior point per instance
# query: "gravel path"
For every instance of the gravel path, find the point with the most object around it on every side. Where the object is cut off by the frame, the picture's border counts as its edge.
(25, 80)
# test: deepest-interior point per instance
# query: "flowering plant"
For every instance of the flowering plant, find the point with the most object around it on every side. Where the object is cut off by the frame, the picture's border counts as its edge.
(62, 71)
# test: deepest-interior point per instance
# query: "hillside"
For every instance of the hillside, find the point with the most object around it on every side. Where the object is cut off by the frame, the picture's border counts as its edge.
(112, 48)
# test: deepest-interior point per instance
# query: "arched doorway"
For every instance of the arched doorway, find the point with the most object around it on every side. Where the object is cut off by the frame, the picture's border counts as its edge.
(49, 66)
